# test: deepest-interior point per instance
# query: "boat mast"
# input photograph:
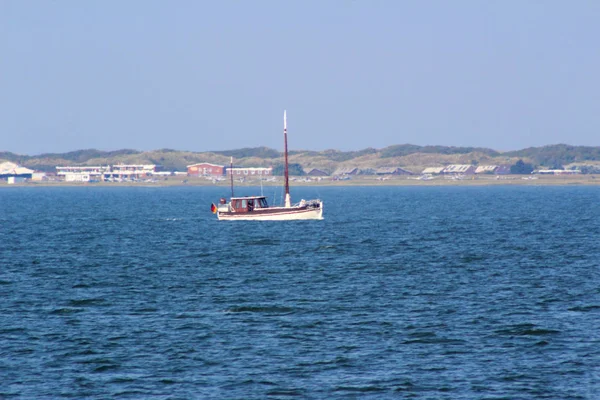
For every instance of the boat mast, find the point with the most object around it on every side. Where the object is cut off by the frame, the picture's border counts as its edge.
(231, 174)
(288, 202)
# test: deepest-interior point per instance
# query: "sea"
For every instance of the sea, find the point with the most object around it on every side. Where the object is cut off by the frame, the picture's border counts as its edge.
(399, 292)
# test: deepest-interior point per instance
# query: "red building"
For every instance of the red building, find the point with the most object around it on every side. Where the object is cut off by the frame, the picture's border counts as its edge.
(205, 169)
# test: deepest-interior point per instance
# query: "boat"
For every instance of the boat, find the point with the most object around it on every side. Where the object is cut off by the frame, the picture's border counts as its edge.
(256, 208)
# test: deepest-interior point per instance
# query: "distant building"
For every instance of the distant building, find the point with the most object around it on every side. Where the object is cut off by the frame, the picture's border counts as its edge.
(493, 169)
(249, 171)
(347, 171)
(486, 169)
(459, 169)
(502, 170)
(433, 170)
(558, 172)
(134, 170)
(82, 173)
(205, 169)
(81, 178)
(106, 173)
(317, 172)
(15, 179)
(39, 176)
(392, 171)
(8, 170)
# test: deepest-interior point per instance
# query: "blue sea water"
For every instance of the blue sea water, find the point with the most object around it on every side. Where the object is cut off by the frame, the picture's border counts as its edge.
(400, 292)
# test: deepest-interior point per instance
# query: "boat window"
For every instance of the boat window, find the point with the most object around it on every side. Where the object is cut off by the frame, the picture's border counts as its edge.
(263, 203)
(244, 204)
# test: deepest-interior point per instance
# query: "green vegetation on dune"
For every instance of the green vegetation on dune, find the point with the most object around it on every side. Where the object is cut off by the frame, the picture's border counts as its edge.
(407, 149)
(409, 156)
(49, 161)
(294, 169)
(82, 156)
(257, 152)
(521, 168)
(558, 154)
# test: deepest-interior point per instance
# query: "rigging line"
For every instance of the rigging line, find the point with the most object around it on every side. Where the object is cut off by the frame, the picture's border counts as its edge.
(278, 189)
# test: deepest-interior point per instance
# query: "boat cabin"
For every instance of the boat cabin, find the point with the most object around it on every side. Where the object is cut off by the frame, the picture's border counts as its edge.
(248, 204)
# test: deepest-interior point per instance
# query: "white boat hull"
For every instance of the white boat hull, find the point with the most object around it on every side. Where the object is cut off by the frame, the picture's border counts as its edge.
(274, 214)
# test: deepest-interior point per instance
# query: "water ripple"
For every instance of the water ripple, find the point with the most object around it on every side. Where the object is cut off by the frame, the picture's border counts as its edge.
(446, 293)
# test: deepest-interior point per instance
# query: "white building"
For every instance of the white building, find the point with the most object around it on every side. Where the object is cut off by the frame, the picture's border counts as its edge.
(75, 177)
(558, 172)
(82, 173)
(94, 170)
(39, 176)
(346, 171)
(246, 171)
(15, 179)
(133, 170)
(8, 169)
(485, 169)
(459, 169)
(105, 173)
(433, 170)
(493, 169)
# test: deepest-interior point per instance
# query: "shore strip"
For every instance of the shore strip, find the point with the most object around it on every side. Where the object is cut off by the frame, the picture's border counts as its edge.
(527, 180)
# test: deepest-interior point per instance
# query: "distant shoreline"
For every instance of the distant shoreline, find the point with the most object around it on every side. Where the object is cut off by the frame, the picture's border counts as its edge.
(506, 180)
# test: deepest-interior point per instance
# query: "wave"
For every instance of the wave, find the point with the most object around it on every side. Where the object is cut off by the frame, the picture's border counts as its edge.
(261, 309)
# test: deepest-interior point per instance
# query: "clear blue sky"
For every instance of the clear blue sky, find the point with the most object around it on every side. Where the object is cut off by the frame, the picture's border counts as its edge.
(215, 75)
